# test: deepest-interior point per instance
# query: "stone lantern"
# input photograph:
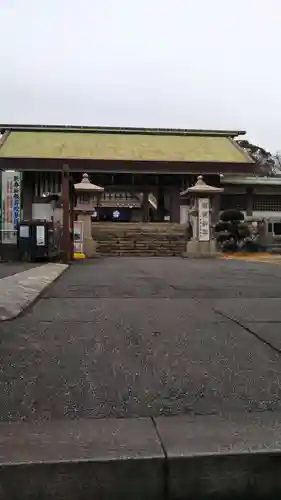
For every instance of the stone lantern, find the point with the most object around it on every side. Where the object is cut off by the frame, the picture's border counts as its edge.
(87, 199)
(201, 243)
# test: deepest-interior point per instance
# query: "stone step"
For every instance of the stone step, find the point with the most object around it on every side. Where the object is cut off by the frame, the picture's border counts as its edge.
(134, 238)
(137, 234)
(156, 244)
(139, 240)
(137, 226)
(140, 246)
(138, 237)
(141, 250)
(139, 254)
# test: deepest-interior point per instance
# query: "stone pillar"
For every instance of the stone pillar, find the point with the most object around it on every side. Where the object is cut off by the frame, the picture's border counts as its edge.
(202, 243)
(88, 195)
(89, 244)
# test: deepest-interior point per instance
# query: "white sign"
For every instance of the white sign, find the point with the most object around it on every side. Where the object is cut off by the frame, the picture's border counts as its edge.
(204, 219)
(11, 187)
(24, 232)
(78, 237)
(40, 236)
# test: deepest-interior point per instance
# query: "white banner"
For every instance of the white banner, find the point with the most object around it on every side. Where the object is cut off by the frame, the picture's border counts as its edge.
(11, 191)
(204, 219)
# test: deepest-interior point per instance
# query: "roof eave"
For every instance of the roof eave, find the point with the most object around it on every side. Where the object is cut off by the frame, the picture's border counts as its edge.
(106, 166)
(4, 137)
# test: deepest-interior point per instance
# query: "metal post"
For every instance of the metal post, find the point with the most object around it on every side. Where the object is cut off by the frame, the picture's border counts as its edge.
(66, 239)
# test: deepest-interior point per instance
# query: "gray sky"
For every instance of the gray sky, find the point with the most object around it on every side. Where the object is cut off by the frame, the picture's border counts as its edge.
(154, 63)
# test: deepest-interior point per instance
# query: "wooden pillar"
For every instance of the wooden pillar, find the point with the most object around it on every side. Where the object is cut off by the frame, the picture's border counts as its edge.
(249, 201)
(27, 194)
(175, 205)
(145, 207)
(66, 239)
(215, 204)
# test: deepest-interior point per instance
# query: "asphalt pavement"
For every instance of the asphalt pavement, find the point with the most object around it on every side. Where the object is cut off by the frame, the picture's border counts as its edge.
(126, 337)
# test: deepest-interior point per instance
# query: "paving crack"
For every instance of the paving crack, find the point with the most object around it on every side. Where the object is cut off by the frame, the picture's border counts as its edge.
(166, 470)
(247, 329)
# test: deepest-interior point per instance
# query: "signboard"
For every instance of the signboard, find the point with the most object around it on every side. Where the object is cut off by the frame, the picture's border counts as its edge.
(204, 219)
(10, 206)
(78, 236)
(40, 236)
(16, 200)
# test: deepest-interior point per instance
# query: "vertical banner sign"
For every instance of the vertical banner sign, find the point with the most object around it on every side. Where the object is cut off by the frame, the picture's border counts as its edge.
(78, 236)
(16, 200)
(204, 219)
(11, 190)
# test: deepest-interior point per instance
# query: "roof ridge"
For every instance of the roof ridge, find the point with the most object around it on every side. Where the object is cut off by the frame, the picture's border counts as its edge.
(120, 130)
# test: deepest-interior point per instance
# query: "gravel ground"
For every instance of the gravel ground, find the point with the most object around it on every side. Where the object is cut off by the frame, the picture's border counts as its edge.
(146, 336)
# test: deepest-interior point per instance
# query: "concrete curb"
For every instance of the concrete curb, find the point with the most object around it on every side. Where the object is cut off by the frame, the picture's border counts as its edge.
(81, 460)
(169, 458)
(222, 457)
(20, 290)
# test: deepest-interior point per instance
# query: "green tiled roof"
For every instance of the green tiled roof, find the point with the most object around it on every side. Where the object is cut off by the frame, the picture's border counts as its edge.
(121, 146)
(252, 180)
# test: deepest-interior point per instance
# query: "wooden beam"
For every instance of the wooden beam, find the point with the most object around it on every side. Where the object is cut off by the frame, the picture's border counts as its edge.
(66, 238)
(116, 166)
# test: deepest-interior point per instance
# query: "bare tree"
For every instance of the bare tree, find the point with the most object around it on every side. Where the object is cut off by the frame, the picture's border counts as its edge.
(266, 162)
(277, 162)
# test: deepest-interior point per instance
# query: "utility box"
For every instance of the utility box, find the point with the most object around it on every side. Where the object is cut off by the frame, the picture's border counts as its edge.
(38, 239)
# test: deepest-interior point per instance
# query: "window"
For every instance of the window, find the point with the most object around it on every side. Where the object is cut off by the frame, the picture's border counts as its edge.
(233, 202)
(277, 228)
(267, 203)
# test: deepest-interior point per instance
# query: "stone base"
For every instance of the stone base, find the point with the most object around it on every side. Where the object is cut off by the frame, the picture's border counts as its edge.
(90, 247)
(201, 250)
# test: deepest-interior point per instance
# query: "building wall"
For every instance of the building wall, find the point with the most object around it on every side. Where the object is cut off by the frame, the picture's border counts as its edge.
(251, 200)
(47, 182)
(38, 183)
